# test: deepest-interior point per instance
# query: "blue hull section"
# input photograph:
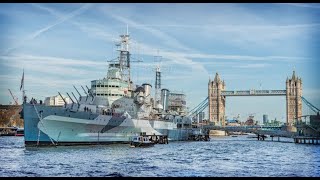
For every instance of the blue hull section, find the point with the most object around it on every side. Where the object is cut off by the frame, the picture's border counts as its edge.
(31, 131)
(31, 120)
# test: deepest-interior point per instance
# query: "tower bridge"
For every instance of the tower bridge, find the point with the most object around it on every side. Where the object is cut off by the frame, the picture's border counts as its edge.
(217, 94)
(294, 127)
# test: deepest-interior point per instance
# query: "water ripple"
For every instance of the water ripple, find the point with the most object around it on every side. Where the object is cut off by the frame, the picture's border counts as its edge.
(224, 156)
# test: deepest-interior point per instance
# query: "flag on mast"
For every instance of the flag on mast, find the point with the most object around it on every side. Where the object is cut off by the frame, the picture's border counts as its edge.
(22, 80)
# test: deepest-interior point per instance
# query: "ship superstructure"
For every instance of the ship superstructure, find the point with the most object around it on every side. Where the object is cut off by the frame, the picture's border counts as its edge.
(113, 110)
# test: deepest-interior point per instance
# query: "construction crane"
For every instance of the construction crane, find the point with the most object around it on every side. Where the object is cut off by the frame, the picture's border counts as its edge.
(14, 98)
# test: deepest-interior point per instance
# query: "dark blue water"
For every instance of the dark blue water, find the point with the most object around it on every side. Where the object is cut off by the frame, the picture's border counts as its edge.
(224, 156)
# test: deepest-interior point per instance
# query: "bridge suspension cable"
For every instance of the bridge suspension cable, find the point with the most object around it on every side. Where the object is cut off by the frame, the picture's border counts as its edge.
(204, 101)
(311, 106)
(199, 108)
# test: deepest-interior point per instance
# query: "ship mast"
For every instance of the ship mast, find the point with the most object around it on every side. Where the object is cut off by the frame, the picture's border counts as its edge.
(123, 61)
(158, 81)
(124, 58)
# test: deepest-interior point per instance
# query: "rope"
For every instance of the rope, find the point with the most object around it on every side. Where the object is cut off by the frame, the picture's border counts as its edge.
(58, 138)
(38, 137)
(40, 119)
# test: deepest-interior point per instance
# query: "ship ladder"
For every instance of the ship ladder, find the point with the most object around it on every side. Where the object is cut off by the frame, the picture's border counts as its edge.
(40, 119)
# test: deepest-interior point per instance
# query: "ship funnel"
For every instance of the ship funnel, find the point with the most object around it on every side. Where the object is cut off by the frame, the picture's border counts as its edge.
(139, 95)
(147, 92)
(165, 99)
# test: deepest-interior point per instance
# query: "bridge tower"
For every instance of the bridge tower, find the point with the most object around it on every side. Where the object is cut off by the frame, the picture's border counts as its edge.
(293, 98)
(217, 102)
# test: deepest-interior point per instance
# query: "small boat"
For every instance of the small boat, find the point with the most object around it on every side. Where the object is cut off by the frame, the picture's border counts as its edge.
(20, 132)
(141, 141)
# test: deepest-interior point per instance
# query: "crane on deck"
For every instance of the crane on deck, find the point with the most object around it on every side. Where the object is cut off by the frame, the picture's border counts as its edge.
(15, 99)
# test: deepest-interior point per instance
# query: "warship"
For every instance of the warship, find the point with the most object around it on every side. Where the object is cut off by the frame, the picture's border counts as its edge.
(113, 110)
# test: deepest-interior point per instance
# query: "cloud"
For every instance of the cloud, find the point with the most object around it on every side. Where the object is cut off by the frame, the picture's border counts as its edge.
(259, 36)
(41, 86)
(49, 67)
(247, 66)
(243, 57)
(92, 29)
(48, 60)
(225, 27)
(185, 58)
(262, 35)
(233, 76)
(313, 94)
(50, 26)
(163, 37)
(230, 27)
(249, 31)
(61, 20)
(42, 73)
(303, 5)
(169, 41)
(237, 26)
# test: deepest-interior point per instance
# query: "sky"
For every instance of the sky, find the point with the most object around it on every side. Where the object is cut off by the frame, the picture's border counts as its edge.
(251, 46)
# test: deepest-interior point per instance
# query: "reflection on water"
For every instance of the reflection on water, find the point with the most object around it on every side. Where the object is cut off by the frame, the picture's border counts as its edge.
(222, 156)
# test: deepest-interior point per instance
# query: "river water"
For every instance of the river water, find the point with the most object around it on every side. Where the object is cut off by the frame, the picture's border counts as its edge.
(222, 156)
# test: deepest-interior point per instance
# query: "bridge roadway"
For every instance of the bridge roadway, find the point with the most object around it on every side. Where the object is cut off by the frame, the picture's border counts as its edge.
(254, 93)
(261, 130)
